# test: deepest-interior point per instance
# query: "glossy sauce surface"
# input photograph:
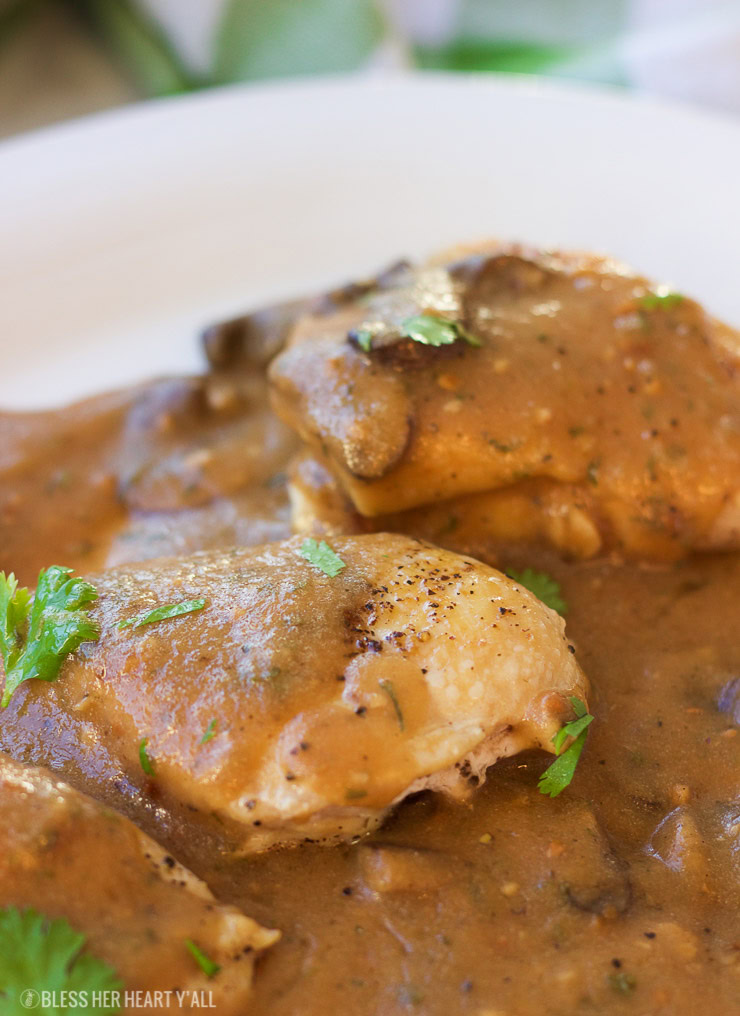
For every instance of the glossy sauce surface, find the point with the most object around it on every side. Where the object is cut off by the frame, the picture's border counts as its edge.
(620, 896)
(577, 386)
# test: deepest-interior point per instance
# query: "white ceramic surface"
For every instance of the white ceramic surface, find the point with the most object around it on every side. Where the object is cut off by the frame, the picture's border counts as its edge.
(124, 233)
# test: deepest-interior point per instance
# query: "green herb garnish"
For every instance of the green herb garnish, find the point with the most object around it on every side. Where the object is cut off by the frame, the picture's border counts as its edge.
(364, 338)
(163, 613)
(38, 633)
(624, 983)
(592, 472)
(47, 955)
(322, 556)
(210, 732)
(556, 777)
(206, 964)
(146, 763)
(354, 794)
(575, 727)
(431, 330)
(543, 586)
(390, 691)
(660, 301)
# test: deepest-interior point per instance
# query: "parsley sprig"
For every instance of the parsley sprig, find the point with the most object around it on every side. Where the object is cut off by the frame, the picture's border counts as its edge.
(48, 955)
(556, 777)
(163, 613)
(544, 587)
(433, 330)
(321, 556)
(209, 732)
(426, 329)
(660, 300)
(38, 633)
(209, 967)
(144, 760)
(390, 691)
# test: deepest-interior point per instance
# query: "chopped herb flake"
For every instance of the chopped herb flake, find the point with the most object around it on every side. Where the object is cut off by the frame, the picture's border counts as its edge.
(431, 330)
(557, 777)
(364, 338)
(38, 633)
(206, 964)
(210, 732)
(354, 794)
(623, 983)
(390, 691)
(163, 613)
(146, 763)
(543, 586)
(575, 727)
(660, 301)
(321, 556)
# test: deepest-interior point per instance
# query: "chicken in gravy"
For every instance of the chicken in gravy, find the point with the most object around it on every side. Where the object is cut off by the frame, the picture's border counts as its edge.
(281, 680)
(66, 855)
(324, 699)
(535, 398)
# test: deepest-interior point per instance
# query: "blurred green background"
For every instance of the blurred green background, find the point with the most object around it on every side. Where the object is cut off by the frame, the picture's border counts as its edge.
(62, 58)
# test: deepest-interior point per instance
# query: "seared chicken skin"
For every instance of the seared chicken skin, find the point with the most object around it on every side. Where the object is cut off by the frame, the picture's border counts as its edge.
(570, 404)
(66, 856)
(299, 705)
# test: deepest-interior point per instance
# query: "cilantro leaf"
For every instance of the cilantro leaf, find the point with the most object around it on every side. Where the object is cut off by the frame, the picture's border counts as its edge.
(364, 338)
(163, 613)
(390, 691)
(206, 964)
(543, 586)
(623, 983)
(47, 955)
(209, 732)
(574, 728)
(146, 763)
(556, 777)
(38, 634)
(661, 301)
(431, 330)
(322, 556)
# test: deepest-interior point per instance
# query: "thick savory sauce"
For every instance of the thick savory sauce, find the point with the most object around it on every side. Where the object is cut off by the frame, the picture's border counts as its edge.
(166, 468)
(619, 896)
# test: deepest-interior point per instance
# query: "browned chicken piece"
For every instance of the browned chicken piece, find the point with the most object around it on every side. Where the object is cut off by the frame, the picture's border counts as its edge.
(486, 526)
(300, 705)
(66, 856)
(568, 403)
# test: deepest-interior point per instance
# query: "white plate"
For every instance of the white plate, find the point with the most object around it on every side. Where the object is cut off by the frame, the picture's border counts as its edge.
(123, 234)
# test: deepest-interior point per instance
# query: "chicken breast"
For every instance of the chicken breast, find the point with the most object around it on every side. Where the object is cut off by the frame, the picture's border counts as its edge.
(550, 399)
(300, 704)
(64, 855)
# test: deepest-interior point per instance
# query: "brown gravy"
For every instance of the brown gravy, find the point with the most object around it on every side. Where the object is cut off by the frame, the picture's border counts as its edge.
(619, 896)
